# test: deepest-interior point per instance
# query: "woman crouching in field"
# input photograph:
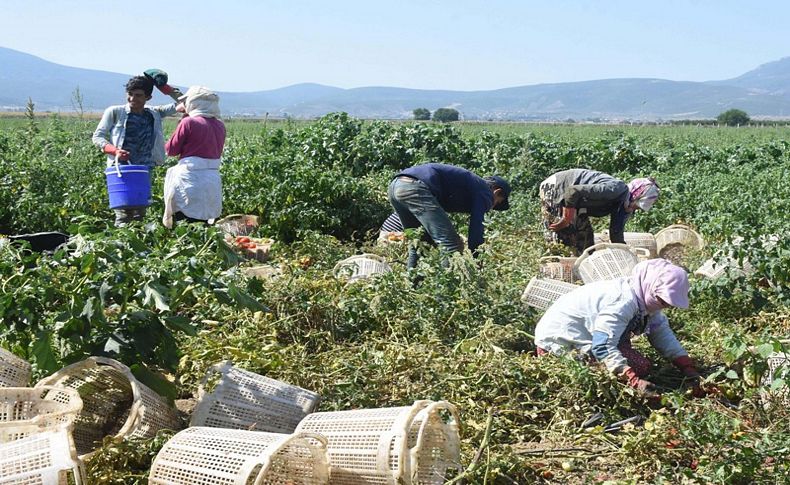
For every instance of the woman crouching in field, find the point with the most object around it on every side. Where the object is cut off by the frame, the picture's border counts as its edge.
(193, 187)
(600, 318)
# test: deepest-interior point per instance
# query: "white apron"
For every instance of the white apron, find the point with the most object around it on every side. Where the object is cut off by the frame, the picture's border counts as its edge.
(194, 187)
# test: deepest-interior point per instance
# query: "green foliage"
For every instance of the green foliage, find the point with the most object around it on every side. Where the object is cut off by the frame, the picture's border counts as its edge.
(733, 117)
(446, 115)
(422, 114)
(172, 303)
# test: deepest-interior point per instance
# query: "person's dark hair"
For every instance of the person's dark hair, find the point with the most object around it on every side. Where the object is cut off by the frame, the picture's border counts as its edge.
(140, 82)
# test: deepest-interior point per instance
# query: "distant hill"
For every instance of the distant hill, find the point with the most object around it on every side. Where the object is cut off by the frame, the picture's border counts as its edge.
(762, 92)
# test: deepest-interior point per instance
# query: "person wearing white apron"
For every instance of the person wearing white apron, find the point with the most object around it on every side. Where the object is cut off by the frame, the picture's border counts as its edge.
(193, 187)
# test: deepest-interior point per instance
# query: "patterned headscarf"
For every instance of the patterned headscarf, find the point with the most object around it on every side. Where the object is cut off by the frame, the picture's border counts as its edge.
(643, 191)
(658, 278)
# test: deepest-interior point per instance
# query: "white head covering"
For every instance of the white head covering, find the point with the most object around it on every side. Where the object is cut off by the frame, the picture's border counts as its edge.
(201, 101)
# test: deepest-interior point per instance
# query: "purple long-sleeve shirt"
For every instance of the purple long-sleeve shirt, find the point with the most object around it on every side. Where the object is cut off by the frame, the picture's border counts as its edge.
(197, 136)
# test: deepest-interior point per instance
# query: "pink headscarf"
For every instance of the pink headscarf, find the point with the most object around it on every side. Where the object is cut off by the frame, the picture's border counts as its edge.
(658, 278)
(643, 190)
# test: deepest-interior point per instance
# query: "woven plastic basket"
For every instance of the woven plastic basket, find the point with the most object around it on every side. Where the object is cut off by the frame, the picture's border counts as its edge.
(641, 240)
(245, 400)
(238, 224)
(678, 234)
(402, 445)
(29, 410)
(712, 269)
(208, 456)
(605, 261)
(47, 458)
(361, 266)
(14, 372)
(558, 268)
(542, 292)
(115, 403)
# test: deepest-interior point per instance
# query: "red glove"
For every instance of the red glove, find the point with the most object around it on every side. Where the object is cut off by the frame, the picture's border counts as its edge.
(111, 149)
(568, 214)
(636, 382)
(686, 365)
(169, 90)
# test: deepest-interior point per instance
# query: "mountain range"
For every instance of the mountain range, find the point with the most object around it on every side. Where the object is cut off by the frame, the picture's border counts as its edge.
(763, 93)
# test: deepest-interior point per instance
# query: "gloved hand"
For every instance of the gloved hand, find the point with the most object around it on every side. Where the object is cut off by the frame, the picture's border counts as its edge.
(568, 214)
(686, 366)
(159, 77)
(638, 383)
(111, 149)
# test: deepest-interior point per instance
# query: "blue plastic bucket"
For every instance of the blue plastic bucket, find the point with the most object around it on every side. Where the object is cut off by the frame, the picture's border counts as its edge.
(131, 189)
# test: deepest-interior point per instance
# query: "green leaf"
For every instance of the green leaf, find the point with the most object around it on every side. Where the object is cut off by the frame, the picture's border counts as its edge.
(155, 381)
(179, 323)
(731, 374)
(153, 293)
(765, 350)
(42, 352)
(777, 383)
(244, 300)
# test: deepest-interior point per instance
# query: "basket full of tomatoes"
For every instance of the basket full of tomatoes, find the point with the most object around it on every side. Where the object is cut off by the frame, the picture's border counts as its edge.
(250, 247)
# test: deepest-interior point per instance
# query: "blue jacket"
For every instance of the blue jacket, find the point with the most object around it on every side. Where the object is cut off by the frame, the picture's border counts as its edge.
(457, 190)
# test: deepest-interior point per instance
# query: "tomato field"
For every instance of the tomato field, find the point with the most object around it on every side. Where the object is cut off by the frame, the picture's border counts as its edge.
(170, 303)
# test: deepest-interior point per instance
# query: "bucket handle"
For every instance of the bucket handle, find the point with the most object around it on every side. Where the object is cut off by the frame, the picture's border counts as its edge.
(117, 168)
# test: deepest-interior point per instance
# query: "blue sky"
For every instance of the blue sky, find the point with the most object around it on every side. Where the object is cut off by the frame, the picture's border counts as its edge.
(240, 45)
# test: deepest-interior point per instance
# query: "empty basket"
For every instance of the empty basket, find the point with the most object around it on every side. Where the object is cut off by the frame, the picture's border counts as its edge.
(245, 400)
(210, 456)
(47, 458)
(403, 445)
(640, 240)
(361, 266)
(542, 292)
(29, 410)
(238, 224)
(605, 261)
(14, 372)
(558, 268)
(115, 403)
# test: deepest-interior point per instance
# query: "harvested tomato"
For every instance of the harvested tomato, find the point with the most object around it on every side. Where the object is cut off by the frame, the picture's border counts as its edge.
(242, 239)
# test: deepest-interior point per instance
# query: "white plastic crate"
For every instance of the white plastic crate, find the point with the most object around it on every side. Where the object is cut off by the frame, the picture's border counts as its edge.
(634, 240)
(29, 410)
(417, 444)
(209, 456)
(115, 403)
(14, 372)
(47, 458)
(778, 367)
(238, 224)
(540, 293)
(245, 400)
(606, 261)
(558, 268)
(361, 266)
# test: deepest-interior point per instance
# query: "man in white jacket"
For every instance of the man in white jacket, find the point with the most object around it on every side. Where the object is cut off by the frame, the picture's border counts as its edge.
(599, 319)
